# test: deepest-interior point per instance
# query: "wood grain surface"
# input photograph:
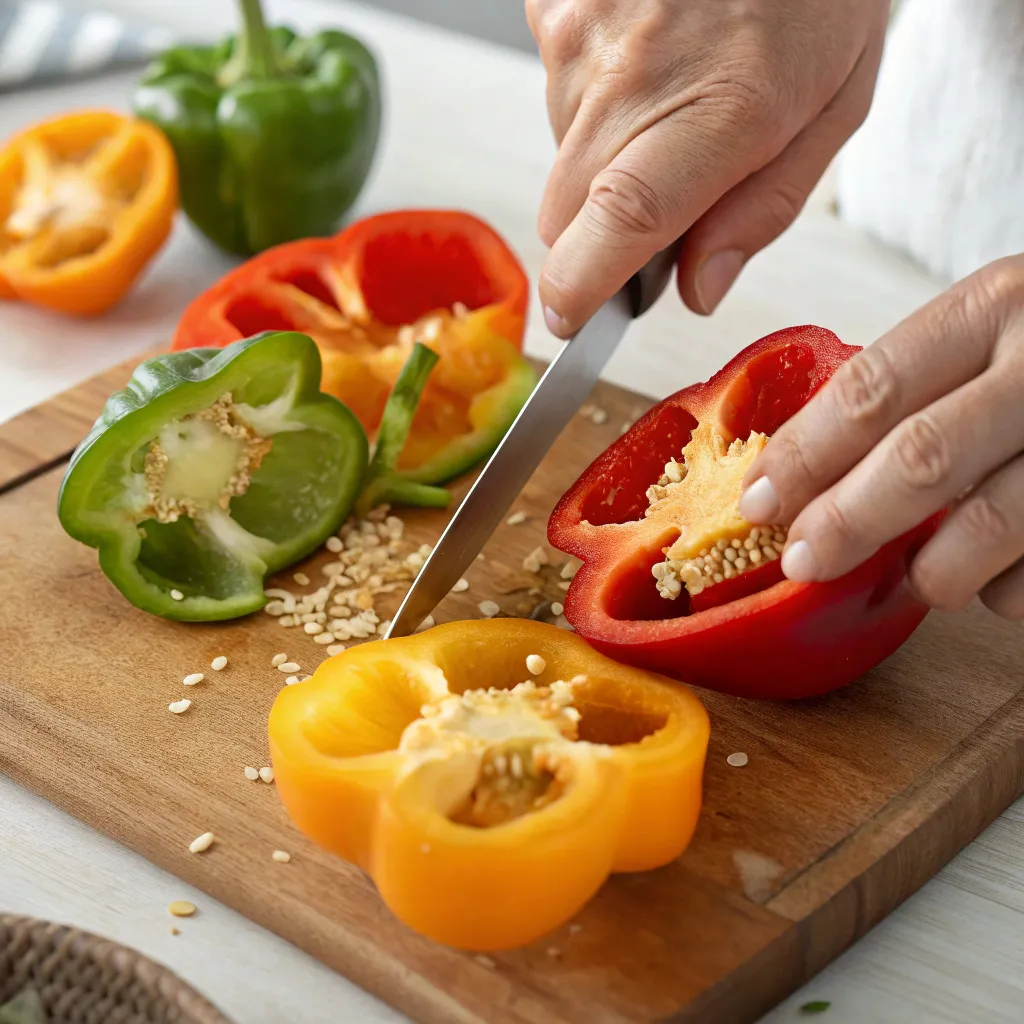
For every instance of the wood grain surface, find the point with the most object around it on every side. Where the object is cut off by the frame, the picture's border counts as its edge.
(848, 804)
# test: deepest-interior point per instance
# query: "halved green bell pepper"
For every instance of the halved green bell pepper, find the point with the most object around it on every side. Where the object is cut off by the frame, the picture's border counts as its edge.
(212, 469)
(274, 134)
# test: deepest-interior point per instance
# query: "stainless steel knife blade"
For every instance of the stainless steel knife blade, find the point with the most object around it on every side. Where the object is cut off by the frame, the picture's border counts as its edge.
(567, 381)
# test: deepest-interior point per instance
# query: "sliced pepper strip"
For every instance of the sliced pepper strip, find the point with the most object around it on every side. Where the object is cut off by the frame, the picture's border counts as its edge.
(210, 470)
(738, 626)
(443, 278)
(86, 200)
(488, 817)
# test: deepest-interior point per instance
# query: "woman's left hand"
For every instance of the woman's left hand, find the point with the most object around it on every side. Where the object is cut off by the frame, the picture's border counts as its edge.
(930, 416)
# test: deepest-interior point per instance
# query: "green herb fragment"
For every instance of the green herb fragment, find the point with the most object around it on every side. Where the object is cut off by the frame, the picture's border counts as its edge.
(24, 1008)
(815, 1006)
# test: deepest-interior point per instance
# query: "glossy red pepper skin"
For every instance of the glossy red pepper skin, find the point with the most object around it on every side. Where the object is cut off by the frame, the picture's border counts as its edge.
(783, 641)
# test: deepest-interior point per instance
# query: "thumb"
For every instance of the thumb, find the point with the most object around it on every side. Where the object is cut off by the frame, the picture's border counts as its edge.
(650, 194)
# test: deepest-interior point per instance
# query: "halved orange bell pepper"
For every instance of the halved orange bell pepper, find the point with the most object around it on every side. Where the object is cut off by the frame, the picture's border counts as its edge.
(440, 277)
(86, 200)
(488, 793)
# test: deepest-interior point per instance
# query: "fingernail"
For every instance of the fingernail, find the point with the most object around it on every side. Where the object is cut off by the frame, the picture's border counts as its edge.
(557, 325)
(759, 503)
(715, 277)
(799, 563)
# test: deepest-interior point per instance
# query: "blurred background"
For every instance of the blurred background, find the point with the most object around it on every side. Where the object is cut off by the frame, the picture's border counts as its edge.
(499, 21)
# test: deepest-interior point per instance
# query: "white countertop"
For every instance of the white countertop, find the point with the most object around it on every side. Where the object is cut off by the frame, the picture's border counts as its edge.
(466, 127)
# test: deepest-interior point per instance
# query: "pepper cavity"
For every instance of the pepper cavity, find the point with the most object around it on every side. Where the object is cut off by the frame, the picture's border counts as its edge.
(514, 780)
(701, 495)
(507, 745)
(201, 461)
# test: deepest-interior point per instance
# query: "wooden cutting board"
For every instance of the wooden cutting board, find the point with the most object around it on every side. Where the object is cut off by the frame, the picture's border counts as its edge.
(848, 804)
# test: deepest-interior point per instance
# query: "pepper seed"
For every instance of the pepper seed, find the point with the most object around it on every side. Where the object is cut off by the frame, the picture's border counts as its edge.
(201, 843)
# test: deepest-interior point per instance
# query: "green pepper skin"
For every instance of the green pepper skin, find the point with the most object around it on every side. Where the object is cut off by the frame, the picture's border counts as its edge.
(300, 494)
(269, 157)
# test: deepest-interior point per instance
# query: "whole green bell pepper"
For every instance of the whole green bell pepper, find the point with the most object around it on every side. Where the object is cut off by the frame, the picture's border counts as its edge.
(212, 469)
(274, 134)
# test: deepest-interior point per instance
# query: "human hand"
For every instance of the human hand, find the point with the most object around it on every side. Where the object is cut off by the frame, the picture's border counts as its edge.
(931, 415)
(699, 116)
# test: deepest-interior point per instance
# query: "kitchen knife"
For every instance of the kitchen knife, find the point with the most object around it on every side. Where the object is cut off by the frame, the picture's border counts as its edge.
(567, 381)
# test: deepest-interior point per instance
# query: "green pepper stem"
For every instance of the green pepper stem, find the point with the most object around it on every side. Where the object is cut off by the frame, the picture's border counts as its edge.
(393, 489)
(255, 43)
(383, 481)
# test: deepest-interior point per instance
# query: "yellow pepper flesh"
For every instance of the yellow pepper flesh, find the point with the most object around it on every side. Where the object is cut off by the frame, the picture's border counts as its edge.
(488, 817)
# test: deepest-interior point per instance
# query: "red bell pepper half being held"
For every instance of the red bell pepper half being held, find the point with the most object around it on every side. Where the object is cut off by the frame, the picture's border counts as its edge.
(675, 580)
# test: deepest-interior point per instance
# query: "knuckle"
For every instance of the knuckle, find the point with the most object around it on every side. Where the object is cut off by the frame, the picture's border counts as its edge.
(788, 463)
(558, 29)
(618, 79)
(1001, 284)
(1005, 594)
(839, 525)
(985, 521)
(985, 298)
(749, 101)
(867, 387)
(923, 452)
(936, 589)
(787, 199)
(779, 206)
(558, 291)
(624, 202)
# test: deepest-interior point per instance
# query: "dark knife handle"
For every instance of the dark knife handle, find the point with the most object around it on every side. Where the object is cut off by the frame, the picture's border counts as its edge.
(647, 284)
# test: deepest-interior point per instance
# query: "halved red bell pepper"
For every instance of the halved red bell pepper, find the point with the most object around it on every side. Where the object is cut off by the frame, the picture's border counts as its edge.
(440, 277)
(674, 580)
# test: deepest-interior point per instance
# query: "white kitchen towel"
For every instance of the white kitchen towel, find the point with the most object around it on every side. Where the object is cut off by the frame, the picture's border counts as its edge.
(937, 170)
(44, 40)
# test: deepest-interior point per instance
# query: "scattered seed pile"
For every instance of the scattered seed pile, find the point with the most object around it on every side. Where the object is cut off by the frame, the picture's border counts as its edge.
(372, 559)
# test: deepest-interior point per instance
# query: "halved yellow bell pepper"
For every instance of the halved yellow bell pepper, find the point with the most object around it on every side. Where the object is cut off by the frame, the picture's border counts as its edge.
(490, 775)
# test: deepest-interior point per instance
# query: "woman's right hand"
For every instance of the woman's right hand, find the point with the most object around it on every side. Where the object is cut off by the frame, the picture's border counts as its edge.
(711, 117)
